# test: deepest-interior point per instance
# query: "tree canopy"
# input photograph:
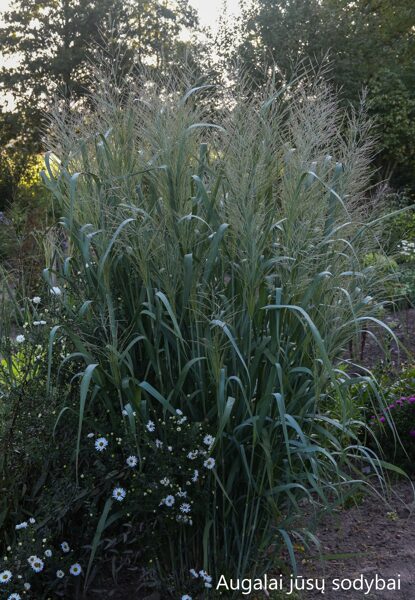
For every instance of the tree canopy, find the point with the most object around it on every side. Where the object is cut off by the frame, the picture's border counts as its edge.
(53, 43)
(55, 40)
(368, 43)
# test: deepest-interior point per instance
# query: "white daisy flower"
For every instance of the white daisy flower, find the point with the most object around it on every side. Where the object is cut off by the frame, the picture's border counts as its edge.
(209, 440)
(65, 547)
(100, 444)
(21, 525)
(185, 507)
(119, 494)
(186, 597)
(181, 493)
(14, 596)
(192, 454)
(48, 553)
(159, 444)
(183, 418)
(36, 300)
(56, 291)
(27, 586)
(150, 426)
(195, 476)
(37, 323)
(37, 565)
(20, 339)
(194, 573)
(60, 574)
(5, 576)
(90, 435)
(31, 559)
(75, 569)
(32, 521)
(169, 500)
(207, 578)
(132, 461)
(165, 481)
(209, 463)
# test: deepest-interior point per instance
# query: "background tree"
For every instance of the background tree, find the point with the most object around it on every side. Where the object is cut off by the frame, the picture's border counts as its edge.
(51, 46)
(54, 41)
(370, 43)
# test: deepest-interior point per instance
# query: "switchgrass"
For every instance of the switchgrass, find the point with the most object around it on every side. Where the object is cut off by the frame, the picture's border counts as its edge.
(216, 265)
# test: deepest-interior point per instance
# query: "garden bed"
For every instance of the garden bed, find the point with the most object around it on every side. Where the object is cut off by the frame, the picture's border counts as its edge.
(402, 323)
(370, 538)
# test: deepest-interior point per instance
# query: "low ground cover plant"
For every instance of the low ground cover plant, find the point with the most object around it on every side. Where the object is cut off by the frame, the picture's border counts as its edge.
(202, 286)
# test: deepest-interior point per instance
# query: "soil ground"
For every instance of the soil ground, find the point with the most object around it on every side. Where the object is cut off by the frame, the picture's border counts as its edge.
(402, 323)
(370, 539)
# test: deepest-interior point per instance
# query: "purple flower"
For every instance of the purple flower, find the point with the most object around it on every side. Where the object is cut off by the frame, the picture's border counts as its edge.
(382, 419)
(411, 399)
(392, 406)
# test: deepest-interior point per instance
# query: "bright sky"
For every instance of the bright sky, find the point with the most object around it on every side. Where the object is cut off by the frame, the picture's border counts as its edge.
(209, 10)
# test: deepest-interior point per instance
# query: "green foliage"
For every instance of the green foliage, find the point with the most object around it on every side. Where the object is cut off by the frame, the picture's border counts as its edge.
(395, 426)
(37, 565)
(407, 279)
(389, 283)
(393, 105)
(400, 241)
(368, 44)
(51, 47)
(212, 268)
(24, 220)
(217, 269)
(27, 414)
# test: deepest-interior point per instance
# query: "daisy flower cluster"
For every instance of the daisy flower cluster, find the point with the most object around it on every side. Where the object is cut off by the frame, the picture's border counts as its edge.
(185, 463)
(37, 327)
(25, 567)
(169, 470)
(200, 581)
(406, 248)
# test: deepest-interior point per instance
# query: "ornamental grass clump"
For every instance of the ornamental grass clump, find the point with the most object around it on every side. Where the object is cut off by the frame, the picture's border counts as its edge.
(214, 264)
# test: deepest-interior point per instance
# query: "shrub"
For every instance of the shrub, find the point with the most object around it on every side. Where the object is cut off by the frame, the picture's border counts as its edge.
(28, 414)
(216, 269)
(394, 427)
(406, 250)
(35, 566)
